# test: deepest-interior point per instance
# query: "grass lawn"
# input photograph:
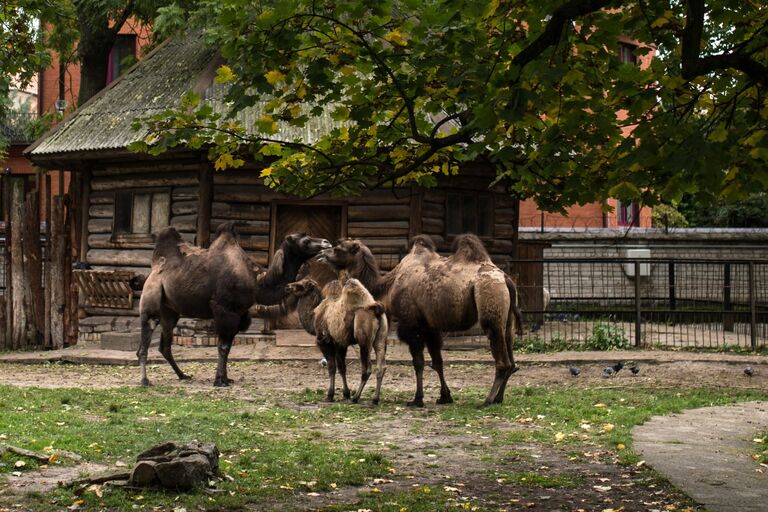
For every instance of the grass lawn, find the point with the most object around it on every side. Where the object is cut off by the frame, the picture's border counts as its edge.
(291, 452)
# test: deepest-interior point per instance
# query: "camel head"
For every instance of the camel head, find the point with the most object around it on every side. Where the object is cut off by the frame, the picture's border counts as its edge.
(304, 246)
(301, 288)
(344, 255)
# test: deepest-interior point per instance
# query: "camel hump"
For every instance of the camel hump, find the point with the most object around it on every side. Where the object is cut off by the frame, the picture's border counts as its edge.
(469, 248)
(167, 244)
(228, 228)
(424, 241)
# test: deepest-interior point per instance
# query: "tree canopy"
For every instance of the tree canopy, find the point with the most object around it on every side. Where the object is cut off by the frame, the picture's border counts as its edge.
(535, 90)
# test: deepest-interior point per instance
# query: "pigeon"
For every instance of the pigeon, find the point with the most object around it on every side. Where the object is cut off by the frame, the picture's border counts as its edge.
(536, 327)
(748, 371)
(324, 362)
(617, 367)
(635, 369)
(608, 372)
(574, 371)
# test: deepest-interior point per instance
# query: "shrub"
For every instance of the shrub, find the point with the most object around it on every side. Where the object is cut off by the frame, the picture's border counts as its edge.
(607, 337)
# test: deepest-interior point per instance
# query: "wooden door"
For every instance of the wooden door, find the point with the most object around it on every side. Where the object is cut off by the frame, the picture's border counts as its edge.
(530, 279)
(320, 221)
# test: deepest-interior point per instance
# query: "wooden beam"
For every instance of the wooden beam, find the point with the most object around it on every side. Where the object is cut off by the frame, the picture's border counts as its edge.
(204, 202)
(415, 222)
(47, 266)
(85, 205)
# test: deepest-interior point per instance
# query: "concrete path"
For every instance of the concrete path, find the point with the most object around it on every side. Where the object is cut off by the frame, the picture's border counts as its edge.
(707, 454)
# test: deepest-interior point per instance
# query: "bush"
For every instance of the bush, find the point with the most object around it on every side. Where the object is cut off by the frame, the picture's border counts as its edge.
(667, 216)
(607, 337)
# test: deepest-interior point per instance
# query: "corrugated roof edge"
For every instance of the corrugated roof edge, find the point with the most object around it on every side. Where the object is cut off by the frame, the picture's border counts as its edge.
(28, 152)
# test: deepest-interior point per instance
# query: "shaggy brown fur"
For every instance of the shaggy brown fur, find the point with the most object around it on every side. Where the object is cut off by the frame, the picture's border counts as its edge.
(430, 294)
(218, 283)
(349, 315)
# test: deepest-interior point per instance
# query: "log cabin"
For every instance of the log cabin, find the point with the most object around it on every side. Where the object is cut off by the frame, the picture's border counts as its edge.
(120, 198)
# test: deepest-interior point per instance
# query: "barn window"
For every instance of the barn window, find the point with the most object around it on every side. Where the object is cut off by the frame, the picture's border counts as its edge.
(626, 53)
(628, 214)
(469, 212)
(122, 56)
(141, 213)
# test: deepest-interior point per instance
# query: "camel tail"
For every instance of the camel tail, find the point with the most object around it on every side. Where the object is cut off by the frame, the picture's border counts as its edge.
(514, 308)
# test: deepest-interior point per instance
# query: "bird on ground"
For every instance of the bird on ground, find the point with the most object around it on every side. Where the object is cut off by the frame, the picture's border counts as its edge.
(608, 372)
(635, 369)
(748, 371)
(574, 371)
(617, 367)
(324, 362)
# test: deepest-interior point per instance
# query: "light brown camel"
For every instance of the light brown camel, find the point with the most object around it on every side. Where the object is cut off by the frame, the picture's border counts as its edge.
(218, 283)
(348, 315)
(429, 294)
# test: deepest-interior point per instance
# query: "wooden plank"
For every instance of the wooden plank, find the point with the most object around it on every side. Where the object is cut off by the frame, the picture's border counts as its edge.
(433, 226)
(204, 200)
(105, 241)
(184, 207)
(433, 210)
(133, 258)
(155, 179)
(378, 212)
(184, 193)
(100, 226)
(141, 213)
(164, 166)
(242, 194)
(33, 269)
(85, 202)
(240, 211)
(239, 177)
(254, 243)
(47, 265)
(356, 232)
(248, 227)
(185, 223)
(101, 211)
(102, 197)
(415, 222)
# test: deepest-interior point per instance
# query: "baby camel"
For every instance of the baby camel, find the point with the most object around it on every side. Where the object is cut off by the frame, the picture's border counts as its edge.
(349, 315)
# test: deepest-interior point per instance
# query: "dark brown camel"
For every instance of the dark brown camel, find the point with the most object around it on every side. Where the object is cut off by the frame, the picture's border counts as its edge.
(218, 283)
(429, 294)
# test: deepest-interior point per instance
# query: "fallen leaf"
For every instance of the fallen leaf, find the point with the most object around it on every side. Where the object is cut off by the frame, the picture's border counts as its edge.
(19, 464)
(559, 437)
(620, 446)
(608, 427)
(602, 488)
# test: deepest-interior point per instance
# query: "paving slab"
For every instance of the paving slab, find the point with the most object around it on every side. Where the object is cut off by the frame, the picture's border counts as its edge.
(707, 453)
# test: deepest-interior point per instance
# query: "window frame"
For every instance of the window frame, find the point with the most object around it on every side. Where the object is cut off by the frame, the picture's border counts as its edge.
(114, 61)
(627, 49)
(130, 236)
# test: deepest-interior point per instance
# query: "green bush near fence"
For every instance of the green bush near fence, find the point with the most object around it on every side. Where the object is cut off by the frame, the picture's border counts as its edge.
(607, 337)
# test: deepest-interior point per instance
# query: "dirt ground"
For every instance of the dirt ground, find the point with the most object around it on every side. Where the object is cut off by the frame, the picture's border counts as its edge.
(437, 456)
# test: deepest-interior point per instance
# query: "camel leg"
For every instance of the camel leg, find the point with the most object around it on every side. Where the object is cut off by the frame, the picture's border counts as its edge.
(380, 347)
(226, 323)
(435, 345)
(341, 365)
(168, 321)
(415, 342)
(328, 348)
(498, 343)
(513, 368)
(146, 339)
(365, 370)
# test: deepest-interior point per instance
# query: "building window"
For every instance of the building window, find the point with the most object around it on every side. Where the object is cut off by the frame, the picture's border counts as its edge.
(122, 56)
(627, 53)
(469, 212)
(627, 214)
(141, 213)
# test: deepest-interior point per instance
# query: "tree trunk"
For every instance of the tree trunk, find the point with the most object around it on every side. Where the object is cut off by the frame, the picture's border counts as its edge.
(19, 321)
(95, 44)
(33, 268)
(58, 261)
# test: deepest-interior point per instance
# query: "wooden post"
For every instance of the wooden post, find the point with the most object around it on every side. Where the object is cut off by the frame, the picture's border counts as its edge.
(7, 250)
(752, 306)
(85, 204)
(47, 342)
(58, 259)
(19, 320)
(727, 302)
(204, 202)
(515, 222)
(415, 224)
(70, 287)
(638, 313)
(33, 268)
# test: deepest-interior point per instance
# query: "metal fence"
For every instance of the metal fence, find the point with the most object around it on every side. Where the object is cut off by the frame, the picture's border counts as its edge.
(665, 303)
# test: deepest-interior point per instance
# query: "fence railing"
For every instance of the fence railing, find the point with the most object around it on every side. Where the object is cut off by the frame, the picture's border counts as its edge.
(670, 303)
